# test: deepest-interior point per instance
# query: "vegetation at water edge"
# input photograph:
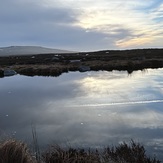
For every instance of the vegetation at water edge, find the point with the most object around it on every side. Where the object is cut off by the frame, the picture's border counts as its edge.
(13, 151)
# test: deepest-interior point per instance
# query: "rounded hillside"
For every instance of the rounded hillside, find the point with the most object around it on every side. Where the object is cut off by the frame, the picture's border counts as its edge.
(29, 50)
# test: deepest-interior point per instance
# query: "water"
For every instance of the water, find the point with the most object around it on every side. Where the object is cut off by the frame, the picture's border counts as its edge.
(93, 109)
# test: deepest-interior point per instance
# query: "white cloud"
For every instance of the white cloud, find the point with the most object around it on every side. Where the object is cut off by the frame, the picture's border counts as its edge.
(111, 16)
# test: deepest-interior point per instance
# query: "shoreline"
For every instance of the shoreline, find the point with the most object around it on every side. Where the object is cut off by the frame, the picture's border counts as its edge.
(56, 64)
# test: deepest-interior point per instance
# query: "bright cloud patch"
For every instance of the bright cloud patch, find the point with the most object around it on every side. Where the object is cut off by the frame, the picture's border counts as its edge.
(142, 22)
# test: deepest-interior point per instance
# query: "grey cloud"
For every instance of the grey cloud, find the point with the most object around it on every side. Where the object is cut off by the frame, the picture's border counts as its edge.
(55, 35)
(21, 22)
(14, 12)
(25, 24)
(31, 23)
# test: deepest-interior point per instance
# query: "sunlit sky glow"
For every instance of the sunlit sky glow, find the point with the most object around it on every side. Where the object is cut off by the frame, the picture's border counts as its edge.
(82, 24)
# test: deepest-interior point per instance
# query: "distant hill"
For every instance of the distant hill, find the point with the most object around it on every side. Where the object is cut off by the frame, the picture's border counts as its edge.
(29, 50)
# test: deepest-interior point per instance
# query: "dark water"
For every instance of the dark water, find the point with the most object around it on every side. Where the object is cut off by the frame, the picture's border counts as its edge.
(93, 109)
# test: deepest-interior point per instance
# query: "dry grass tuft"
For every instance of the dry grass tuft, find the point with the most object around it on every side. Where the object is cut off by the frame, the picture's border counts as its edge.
(56, 154)
(127, 153)
(124, 153)
(12, 151)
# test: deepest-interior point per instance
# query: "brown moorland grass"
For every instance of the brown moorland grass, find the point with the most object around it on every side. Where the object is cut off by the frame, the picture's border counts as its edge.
(13, 151)
(47, 65)
(124, 153)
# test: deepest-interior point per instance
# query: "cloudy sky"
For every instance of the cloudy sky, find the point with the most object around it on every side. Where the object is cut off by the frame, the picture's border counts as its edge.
(82, 24)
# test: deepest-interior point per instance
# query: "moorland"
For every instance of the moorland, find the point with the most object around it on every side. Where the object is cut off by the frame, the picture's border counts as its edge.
(54, 64)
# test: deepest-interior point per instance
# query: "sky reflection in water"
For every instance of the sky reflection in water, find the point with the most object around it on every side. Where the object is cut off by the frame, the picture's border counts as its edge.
(85, 109)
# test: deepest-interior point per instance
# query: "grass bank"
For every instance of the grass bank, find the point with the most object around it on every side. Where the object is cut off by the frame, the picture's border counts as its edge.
(13, 151)
(56, 64)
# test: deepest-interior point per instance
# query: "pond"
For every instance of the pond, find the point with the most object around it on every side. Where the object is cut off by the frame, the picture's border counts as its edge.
(91, 109)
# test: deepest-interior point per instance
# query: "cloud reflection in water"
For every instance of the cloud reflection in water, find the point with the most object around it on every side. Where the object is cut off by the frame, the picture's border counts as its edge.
(85, 109)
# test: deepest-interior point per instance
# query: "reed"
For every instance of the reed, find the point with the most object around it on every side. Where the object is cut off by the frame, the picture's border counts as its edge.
(35, 143)
(124, 153)
(13, 151)
(56, 154)
(127, 153)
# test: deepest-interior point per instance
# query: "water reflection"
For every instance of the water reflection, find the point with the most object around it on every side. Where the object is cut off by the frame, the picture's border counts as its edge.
(85, 109)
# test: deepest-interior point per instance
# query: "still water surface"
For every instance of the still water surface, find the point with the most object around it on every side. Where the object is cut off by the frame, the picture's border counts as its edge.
(93, 109)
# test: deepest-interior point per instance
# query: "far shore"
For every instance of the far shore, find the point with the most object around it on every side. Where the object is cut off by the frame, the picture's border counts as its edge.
(56, 64)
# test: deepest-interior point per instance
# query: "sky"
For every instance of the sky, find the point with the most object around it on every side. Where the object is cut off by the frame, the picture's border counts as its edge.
(82, 25)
